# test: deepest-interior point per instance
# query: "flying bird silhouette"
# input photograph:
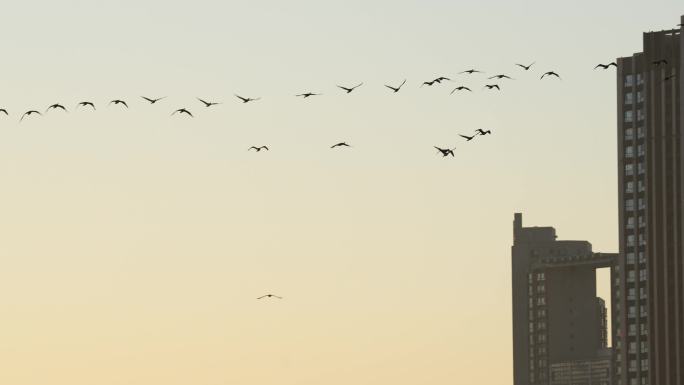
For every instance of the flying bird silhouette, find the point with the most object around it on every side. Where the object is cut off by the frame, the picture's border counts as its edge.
(207, 104)
(270, 296)
(483, 132)
(83, 104)
(606, 66)
(349, 90)
(668, 78)
(502, 76)
(29, 113)
(657, 63)
(246, 100)
(56, 106)
(258, 148)
(5, 111)
(470, 72)
(446, 151)
(438, 81)
(550, 73)
(491, 86)
(396, 89)
(526, 68)
(117, 102)
(467, 138)
(152, 101)
(307, 94)
(460, 88)
(341, 144)
(182, 111)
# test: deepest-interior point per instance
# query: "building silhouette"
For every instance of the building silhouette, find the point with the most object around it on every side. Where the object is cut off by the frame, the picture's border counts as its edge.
(559, 324)
(648, 317)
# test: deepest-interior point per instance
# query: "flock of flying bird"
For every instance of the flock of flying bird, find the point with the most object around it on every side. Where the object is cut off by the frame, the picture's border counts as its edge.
(347, 90)
(445, 152)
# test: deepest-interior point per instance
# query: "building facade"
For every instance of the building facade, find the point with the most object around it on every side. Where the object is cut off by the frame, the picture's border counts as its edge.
(559, 331)
(648, 312)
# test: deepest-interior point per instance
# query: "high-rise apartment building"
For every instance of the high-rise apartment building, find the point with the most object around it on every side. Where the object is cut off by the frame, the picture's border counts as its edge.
(559, 324)
(648, 316)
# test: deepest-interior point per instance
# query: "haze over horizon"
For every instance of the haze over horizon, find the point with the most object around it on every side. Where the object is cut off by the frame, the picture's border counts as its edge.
(134, 244)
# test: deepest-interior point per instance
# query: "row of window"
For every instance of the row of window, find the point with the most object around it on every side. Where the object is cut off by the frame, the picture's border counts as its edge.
(631, 296)
(643, 330)
(633, 365)
(631, 276)
(629, 115)
(631, 240)
(541, 325)
(631, 223)
(629, 151)
(541, 289)
(631, 313)
(629, 97)
(541, 313)
(631, 257)
(541, 338)
(629, 80)
(634, 380)
(629, 186)
(539, 277)
(629, 204)
(629, 133)
(629, 168)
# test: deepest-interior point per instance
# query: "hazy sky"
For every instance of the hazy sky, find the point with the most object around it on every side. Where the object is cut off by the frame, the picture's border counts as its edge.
(133, 244)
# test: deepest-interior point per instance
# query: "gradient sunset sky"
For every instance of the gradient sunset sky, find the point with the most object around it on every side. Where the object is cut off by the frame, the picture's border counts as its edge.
(133, 244)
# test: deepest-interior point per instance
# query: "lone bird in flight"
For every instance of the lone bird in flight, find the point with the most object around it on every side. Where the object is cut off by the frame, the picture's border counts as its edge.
(606, 66)
(307, 94)
(483, 132)
(446, 151)
(526, 68)
(258, 148)
(246, 100)
(341, 144)
(207, 104)
(152, 101)
(491, 86)
(349, 90)
(467, 138)
(83, 104)
(460, 88)
(396, 89)
(502, 76)
(550, 73)
(668, 78)
(470, 72)
(29, 113)
(270, 296)
(659, 62)
(56, 106)
(117, 101)
(182, 111)
(5, 111)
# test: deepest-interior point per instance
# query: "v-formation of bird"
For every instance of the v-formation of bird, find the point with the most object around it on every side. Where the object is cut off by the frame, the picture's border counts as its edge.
(347, 90)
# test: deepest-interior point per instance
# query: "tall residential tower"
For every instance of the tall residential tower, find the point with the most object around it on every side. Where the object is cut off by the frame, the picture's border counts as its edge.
(648, 318)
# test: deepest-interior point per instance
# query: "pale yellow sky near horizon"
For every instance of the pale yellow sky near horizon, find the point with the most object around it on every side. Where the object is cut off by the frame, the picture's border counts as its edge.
(133, 244)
